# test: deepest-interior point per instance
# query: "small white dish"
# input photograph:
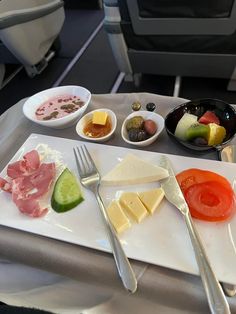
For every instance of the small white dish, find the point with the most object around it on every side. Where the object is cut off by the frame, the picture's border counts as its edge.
(86, 118)
(33, 103)
(159, 120)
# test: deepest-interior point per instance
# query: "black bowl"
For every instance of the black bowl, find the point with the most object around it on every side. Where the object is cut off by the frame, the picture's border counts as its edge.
(225, 112)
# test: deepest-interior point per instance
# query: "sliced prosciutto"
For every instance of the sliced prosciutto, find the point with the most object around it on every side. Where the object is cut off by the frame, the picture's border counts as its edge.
(5, 185)
(25, 166)
(31, 207)
(36, 184)
(29, 180)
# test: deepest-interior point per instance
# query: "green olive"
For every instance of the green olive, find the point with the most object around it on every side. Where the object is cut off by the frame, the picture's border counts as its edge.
(135, 123)
(136, 106)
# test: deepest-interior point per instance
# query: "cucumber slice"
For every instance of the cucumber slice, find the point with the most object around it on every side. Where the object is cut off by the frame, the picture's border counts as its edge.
(67, 192)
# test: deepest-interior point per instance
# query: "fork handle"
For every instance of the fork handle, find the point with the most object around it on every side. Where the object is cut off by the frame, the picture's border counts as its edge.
(216, 298)
(123, 266)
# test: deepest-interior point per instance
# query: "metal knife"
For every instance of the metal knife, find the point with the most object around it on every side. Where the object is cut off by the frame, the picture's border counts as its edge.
(215, 296)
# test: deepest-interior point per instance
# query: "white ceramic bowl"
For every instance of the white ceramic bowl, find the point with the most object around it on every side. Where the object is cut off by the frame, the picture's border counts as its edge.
(33, 102)
(84, 120)
(159, 120)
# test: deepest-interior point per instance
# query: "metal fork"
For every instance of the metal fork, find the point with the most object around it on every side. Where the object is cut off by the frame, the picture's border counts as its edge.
(90, 179)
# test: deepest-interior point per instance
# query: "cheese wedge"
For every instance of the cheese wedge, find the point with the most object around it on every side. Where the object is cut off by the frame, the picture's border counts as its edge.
(133, 170)
(117, 217)
(151, 199)
(131, 202)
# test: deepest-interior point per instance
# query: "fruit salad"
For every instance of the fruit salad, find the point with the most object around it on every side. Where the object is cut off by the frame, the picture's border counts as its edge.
(205, 130)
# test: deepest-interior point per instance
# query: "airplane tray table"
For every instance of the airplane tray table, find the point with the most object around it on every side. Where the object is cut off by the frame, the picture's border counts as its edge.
(84, 278)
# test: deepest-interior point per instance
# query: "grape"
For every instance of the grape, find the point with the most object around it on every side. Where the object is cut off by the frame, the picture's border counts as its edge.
(200, 141)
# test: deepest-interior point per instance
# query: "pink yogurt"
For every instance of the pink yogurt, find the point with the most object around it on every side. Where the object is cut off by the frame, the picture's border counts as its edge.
(58, 107)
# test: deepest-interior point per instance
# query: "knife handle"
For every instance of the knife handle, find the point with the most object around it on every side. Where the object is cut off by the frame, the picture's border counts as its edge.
(215, 296)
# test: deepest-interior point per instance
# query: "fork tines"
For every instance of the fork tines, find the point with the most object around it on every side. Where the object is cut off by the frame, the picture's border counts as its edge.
(84, 160)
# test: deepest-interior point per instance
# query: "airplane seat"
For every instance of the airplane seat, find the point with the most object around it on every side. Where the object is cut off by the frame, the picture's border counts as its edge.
(173, 37)
(28, 30)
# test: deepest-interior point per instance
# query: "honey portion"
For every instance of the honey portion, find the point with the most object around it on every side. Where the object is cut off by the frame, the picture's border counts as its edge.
(97, 130)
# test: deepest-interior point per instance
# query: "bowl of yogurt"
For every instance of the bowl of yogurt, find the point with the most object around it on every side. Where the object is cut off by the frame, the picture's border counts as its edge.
(58, 107)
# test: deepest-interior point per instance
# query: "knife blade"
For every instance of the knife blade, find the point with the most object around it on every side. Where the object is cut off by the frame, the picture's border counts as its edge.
(171, 187)
(216, 299)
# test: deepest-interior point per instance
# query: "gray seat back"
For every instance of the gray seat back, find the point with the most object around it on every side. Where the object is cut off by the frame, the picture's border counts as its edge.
(181, 26)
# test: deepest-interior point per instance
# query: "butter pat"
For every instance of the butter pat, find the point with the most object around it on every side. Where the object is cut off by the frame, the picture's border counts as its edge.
(131, 202)
(151, 199)
(117, 217)
(99, 117)
(134, 170)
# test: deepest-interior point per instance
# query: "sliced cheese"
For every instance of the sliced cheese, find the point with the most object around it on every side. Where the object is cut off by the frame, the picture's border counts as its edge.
(133, 170)
(131, 202)
(151, 199)
(117, 217)
(99, 117)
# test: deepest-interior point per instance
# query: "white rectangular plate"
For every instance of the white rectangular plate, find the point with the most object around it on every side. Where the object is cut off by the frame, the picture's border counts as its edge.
(161, 239)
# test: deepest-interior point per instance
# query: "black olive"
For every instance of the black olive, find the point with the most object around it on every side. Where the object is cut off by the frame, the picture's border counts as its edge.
(137, 135)
(142, 135)
(133, 135)
(150, 106)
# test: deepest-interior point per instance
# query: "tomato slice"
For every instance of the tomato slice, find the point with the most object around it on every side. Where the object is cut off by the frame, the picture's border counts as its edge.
(209, 195)
(210, 201)
(192, 176)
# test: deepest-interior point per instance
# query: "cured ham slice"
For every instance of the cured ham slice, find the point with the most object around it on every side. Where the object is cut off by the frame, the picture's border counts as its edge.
(30, 180)
(25, 166)
(35, 185)
(5, 185)
(32, 160)
(31, 207)
(16, 169)
(43, 177)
